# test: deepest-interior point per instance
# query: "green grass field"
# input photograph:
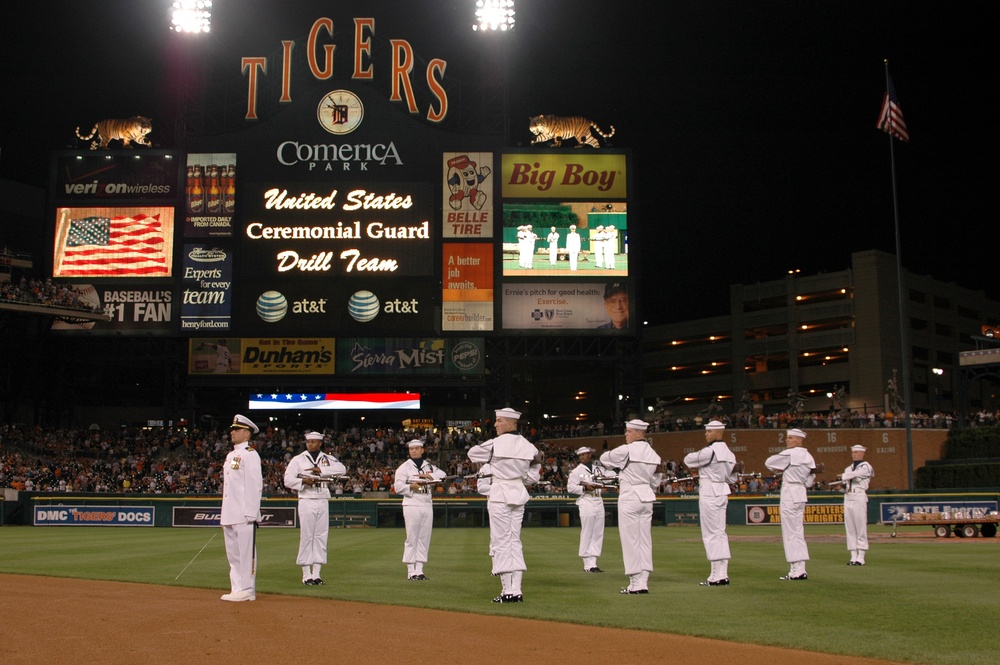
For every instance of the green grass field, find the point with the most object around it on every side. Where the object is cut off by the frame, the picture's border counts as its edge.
(919, 599)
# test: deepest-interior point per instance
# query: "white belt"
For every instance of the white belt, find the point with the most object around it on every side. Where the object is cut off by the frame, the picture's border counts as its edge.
(856, 491)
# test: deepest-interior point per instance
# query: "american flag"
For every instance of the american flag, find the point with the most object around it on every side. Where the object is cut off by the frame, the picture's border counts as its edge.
(335, 401)
(115, 246)
(890, 119)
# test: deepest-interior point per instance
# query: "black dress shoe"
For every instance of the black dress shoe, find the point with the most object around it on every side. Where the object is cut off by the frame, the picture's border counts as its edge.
(509, 598)
(722, 582)
(595, 569)
(632, 592)
(318, 582)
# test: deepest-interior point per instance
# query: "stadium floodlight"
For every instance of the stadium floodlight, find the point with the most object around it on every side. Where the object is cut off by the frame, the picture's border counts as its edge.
(191, 15)
(494, 15)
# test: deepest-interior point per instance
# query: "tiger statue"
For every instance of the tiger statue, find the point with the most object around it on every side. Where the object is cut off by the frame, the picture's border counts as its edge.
(554, 128)
(131, 130)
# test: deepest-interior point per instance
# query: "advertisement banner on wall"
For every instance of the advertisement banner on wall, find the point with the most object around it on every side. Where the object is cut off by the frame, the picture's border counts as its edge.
(564, 176)
(214, 355)
(301, 356)
(206, 289)
(68, 515)
(468, 192)
(210, 195)
(538, 306)
(97, 176)
(409, 356)
(133, 309)
(832, 513)
(467, 293)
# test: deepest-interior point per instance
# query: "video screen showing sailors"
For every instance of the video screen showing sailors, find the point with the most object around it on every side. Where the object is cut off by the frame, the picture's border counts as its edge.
(565, 239)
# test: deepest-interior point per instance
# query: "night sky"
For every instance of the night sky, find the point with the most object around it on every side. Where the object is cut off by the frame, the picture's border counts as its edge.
(752, 124)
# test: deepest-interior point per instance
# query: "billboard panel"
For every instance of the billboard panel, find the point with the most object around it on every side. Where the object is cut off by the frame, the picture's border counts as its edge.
(210, 195)
(566, 176)
(133, 308)
(468, 192)
(92, 177)
(206, 288)
(566, 306)
(410, 356)
(467, 293)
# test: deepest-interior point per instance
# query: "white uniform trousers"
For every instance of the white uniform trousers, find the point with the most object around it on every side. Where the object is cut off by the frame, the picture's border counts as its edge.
(591, 528)
(505, 537)
(793, 535)
(419, 521)
(713, 526)
(242, 554)
(635, 521)
(856, 520)
(314, 529)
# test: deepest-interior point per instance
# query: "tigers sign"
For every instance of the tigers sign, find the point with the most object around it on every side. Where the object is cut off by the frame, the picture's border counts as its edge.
(563, 176)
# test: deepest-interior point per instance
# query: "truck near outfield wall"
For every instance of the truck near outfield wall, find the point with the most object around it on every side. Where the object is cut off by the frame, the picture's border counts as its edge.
(966, 520)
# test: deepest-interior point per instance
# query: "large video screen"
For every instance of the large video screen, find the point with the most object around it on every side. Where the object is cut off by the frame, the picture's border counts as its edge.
(134, 241)
(566, 239)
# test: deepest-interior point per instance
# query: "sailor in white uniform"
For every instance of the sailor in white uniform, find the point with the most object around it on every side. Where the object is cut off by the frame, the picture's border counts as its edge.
(798, 473)
(514, 461)
(415, 481)
(313, 504)
(582, 484)
(856, 479)
(242, 486)
(636, 463)
(715, 464)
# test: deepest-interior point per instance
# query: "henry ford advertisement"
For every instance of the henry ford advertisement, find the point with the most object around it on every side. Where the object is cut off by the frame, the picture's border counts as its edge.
(206, 289)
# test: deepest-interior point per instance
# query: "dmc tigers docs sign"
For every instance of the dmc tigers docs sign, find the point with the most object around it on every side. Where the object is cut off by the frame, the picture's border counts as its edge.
(832, 513)
(567, 177)
(94, 515)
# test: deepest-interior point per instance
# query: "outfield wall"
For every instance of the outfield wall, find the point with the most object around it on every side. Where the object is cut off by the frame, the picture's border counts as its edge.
(887, 449)
(158, 510)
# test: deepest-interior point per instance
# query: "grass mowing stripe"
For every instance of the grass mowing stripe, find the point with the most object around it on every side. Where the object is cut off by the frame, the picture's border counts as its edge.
(922, 600)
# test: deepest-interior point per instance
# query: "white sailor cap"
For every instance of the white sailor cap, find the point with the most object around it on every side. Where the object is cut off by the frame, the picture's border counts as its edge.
(858, 449)
(413, 443)
(635, 423)
(242, 422)
(796, 432)
(714, 424)
(508, 412)
(584, 449)
(314, 436)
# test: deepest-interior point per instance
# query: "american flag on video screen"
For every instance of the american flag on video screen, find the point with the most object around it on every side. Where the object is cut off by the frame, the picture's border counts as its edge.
(113, 246)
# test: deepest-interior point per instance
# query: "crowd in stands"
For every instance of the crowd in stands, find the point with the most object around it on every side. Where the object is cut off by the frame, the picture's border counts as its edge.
(46, 293)
(190, 462)
(834, 419)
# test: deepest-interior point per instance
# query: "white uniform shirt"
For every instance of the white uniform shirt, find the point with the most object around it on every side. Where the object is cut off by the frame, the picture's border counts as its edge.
(242, 485)
(797, 465)
(408, 471)
(585, 474)
(302, 463)
(637, 462)
(858, 476)
(510, 457)
(715, 464)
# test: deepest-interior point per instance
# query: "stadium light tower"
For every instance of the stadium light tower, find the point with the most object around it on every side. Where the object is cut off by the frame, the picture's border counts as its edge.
(191, 15)
(494, 15)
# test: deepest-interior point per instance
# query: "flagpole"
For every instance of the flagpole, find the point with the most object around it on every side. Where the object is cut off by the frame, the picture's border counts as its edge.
(903, 327)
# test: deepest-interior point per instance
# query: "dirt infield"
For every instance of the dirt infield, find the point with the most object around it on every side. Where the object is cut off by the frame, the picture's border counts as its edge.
(53, 621)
